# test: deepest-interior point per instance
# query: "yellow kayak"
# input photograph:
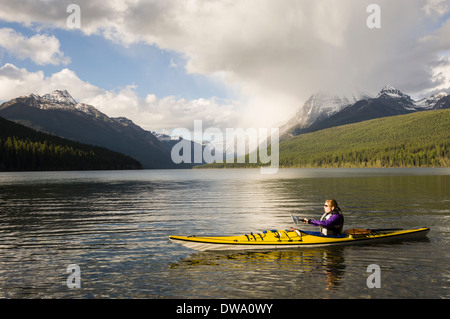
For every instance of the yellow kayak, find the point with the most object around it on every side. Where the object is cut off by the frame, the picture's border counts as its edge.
(294, 238)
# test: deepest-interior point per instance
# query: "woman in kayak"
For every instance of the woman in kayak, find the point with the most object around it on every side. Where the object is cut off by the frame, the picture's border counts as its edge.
(332, 221)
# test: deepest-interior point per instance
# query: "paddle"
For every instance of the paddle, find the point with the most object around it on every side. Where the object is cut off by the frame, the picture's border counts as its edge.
(297, 220)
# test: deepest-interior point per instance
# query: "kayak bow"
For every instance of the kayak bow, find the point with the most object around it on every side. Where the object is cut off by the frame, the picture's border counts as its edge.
(282, 239)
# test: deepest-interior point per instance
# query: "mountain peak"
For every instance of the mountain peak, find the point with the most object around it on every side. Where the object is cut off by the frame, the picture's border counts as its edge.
(60, 96)
(388, 87)
(57, 100)
(323, 104)
(390, 91)
(432, 101)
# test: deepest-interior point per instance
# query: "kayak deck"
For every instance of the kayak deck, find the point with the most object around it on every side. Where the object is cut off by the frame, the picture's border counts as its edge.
(282, 239)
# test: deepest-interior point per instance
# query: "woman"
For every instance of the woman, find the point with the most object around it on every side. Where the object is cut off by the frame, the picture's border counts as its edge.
(332, 221)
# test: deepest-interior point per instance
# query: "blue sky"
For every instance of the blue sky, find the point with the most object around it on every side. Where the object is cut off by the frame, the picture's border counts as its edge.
(112, 66)
(166, 63)
(151, 69)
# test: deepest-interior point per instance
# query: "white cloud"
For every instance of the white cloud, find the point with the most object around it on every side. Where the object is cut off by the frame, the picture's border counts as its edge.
(16, 81)
(166, 113)
(439, 7)
(151, 113)
(42, 49)
(441, 72)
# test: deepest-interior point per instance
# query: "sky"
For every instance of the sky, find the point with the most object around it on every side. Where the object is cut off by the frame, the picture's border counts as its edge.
(230, 63)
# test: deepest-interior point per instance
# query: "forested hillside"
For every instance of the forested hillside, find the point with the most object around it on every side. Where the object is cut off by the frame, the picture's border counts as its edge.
(24, 149)
(420, 139)
(415, 140)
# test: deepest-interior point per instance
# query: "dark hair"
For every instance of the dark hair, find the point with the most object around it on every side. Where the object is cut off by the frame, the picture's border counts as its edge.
(333, 203)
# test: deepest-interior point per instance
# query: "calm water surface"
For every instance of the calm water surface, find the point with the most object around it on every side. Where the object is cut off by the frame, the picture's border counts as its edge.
(115, 227)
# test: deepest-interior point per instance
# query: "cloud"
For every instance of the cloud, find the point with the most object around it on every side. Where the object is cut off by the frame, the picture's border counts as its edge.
(18, 81)
(42, 49)
(439, 7)
(291, 47)
(14, 81)
(151, 112)
(277, 52)
(165, 113)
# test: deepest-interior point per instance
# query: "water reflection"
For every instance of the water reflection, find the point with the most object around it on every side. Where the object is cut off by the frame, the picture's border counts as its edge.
(320, 267)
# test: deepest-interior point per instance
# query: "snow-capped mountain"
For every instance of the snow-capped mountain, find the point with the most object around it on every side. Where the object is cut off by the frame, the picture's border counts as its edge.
(57, 100)
(323, 110)
(60, 114)
(59, 97)
(321, 105)
(432, 102)
(389, 91)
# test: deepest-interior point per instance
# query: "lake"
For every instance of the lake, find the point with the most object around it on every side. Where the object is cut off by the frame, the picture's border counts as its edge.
(114, 225)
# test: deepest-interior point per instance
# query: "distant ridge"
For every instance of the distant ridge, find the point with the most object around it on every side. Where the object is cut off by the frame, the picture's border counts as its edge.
(58, 113)
(331, 110)
(25, 149)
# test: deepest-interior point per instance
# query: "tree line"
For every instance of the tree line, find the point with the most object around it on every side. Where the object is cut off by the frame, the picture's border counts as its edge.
(24, 149)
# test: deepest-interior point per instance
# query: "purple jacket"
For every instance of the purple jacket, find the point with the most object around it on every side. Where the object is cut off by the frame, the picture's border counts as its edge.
(335, 221)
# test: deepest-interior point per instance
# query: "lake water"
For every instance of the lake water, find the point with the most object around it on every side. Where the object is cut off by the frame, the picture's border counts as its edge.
(115, 225)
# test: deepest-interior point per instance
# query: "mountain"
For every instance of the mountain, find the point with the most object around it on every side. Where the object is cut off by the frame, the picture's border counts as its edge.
(435, 102)
(319, 106)
(59, 114)
(25, 149)
(389, 92)
(388, 102)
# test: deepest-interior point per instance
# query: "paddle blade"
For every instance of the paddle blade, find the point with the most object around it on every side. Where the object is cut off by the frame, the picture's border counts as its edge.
(297, 220)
